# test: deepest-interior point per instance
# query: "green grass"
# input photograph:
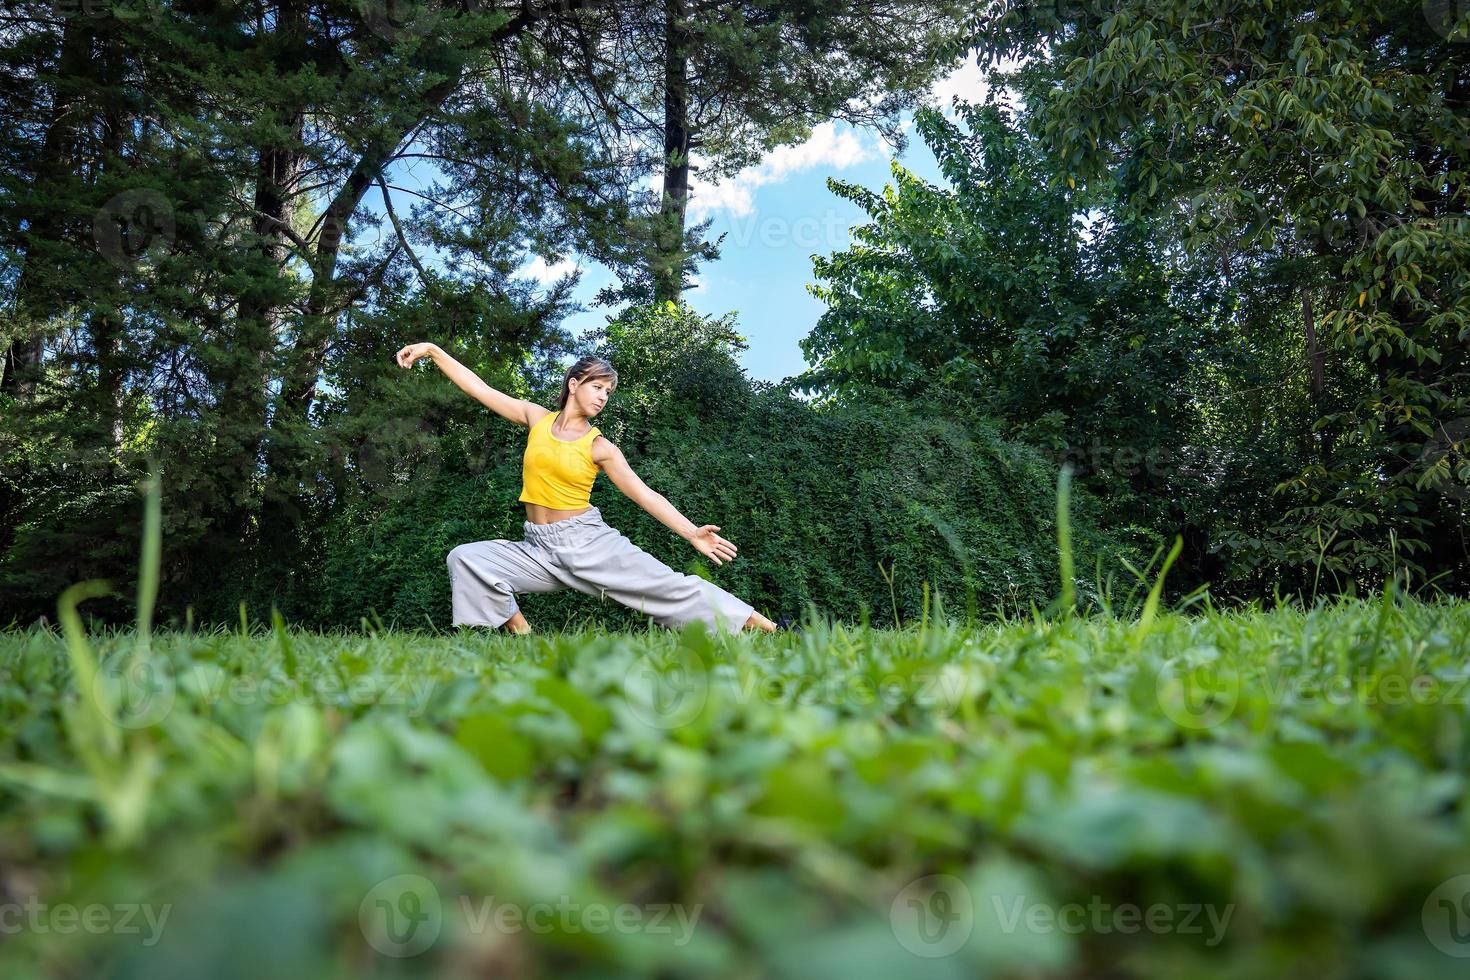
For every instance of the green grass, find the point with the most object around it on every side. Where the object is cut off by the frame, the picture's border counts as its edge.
(1253, 793)
(1296, 778)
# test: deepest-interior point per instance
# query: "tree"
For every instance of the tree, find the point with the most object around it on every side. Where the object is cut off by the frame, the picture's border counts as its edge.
(732, 81)
(179, 229)
(1065, 322)
(1326, 144)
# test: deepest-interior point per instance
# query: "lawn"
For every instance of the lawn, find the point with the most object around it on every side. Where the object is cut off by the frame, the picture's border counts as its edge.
(1267, 792)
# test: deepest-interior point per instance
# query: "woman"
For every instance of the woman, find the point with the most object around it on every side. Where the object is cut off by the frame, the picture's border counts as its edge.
(566, 544)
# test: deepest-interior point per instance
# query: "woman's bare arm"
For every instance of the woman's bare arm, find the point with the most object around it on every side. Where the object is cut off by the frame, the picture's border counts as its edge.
(705, 538)
(518, 410)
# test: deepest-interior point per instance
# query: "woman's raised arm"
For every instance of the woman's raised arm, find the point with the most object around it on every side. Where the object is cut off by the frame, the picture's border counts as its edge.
(515, 409)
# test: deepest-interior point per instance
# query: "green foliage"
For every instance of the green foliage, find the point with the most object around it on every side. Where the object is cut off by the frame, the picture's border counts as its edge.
(1297, 772)
(1315, 153)
(64, 519)
(827, 503)
(991, 293)
(824, 503)
(674, 365)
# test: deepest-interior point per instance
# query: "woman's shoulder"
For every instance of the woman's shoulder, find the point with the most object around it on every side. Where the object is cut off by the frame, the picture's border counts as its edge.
(602, 448)
(535, 414)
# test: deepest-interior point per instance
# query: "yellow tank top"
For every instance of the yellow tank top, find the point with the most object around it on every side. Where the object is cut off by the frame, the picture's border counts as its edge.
(558, 473)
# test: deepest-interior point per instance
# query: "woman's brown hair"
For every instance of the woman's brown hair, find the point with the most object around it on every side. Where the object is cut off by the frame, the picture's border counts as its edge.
(588, 368)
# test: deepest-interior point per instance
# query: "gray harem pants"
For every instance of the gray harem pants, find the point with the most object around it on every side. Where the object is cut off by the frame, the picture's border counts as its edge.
(585, 554)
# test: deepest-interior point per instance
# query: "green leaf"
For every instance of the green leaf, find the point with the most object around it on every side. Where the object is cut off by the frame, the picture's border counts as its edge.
(499, 748)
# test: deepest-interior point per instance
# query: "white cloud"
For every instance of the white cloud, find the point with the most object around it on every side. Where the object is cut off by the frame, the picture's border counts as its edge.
(827, 147)
(547, 273)
(733, 195)
(969, 83)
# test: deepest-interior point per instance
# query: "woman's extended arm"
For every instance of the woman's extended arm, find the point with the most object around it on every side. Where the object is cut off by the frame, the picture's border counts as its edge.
(704, 539)
(515, 409)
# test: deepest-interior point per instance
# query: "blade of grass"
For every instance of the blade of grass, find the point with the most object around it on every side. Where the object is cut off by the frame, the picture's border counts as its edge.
(1064, 540)
(149, 561)
(97, 730)
(1151, 604)
(288, 652)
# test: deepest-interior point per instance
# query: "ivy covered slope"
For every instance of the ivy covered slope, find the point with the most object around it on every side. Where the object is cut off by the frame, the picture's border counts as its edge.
(1271, 793)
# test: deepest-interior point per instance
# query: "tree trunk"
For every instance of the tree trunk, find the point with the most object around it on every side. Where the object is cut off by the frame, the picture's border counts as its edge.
(107, 334)
(244, 389)
(1316, 368)
(668, 261)
(326, 300)
(109, 327)
(1315, 357)
(281, 509)
(22, 361)
(328, 296)
(260, 311)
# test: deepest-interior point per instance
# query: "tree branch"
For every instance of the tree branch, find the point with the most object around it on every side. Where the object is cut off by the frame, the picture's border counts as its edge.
(398, 230)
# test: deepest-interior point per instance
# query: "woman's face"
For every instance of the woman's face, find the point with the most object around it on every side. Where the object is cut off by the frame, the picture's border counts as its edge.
(592, 395)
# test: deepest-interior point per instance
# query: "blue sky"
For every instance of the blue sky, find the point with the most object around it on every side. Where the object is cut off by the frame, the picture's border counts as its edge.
(772, 230)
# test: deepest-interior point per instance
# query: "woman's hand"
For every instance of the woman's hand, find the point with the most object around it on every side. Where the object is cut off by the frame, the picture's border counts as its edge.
(413, 352)
(711, 545)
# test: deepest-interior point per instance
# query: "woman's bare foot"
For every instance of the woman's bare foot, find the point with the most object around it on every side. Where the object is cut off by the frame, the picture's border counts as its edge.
(518, 624)
(759, 622)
